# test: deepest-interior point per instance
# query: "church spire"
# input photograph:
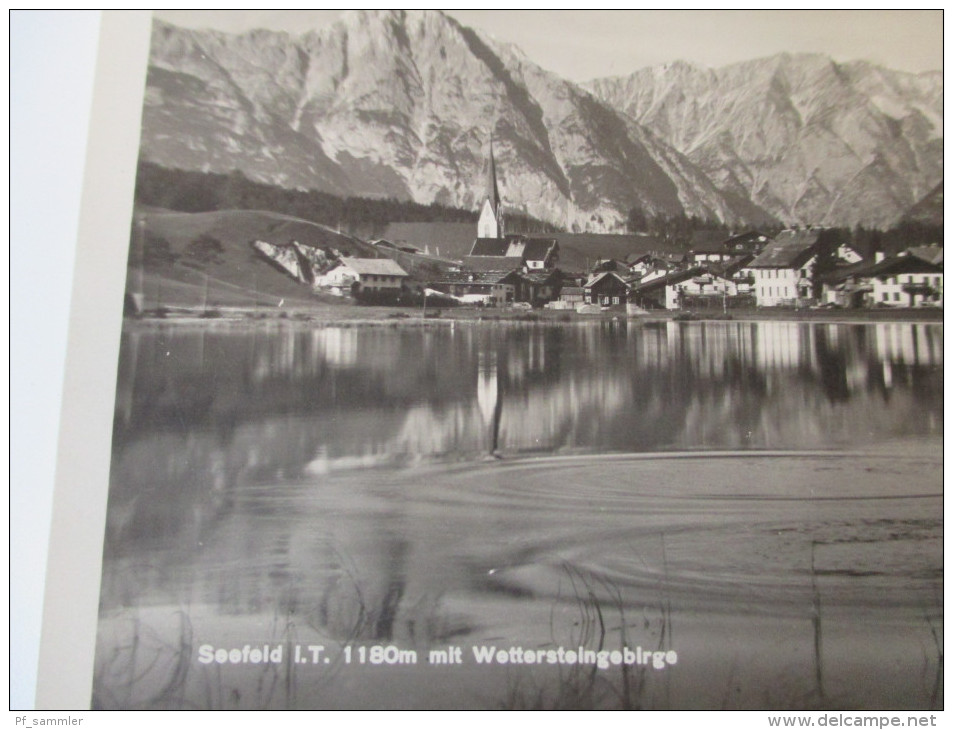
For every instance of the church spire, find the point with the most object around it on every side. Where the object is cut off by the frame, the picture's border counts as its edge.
(490, 224)
(492, 191)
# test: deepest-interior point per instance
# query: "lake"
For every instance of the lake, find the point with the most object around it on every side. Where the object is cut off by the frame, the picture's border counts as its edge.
(720, 515)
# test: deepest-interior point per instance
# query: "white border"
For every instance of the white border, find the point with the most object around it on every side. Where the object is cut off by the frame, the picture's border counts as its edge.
(78, 515)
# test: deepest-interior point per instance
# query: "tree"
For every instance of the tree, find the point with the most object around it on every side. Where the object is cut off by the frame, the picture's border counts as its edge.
(636, 222)
(828, 241)
(205, 249)
(156, 250)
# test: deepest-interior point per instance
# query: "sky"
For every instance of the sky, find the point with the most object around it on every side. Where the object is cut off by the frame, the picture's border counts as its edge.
(580, 45)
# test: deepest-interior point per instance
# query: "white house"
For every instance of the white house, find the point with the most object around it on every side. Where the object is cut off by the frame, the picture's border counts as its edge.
(366, 274)
(783, 271)
(906, 281)
(899, 281)
(672, 291)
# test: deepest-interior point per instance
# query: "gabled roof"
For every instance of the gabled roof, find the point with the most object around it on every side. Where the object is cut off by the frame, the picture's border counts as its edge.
(538, 249)
(378, 267)
(490, 247)
(933, 254)
(599, 277)
(492, 263)
(790, 250)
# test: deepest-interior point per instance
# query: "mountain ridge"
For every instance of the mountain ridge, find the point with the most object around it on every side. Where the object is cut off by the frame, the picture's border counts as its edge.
(367, 107)
(848, 143)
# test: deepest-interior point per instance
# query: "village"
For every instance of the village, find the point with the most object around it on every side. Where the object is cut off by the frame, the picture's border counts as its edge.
(797, 269)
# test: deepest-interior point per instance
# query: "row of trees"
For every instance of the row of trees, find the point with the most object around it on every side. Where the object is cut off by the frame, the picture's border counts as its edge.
(198, 192)
(675, 229)
(194, 192)
(678, 230)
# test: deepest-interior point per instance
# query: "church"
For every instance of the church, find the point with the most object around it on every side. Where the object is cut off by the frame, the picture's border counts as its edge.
(514, 251)
(503, 268)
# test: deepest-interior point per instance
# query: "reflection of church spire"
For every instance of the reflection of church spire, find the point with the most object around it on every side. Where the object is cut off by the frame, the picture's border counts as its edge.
(490, 400)
(491, 214)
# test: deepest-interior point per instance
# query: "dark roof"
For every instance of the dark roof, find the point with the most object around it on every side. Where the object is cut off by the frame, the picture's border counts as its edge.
(454, 240)
(537, 249)
(893, 266)
(842, 273)
(707, 241)
(790, 250)
(489, 247)
(492, 263)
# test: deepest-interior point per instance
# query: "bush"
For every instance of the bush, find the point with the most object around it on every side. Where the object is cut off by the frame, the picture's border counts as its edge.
(205, 249)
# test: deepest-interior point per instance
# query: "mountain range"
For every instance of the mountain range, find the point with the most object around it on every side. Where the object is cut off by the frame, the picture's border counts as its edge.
(406, 104)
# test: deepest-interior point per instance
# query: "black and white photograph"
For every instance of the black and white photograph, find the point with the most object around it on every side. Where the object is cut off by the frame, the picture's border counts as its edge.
(529, 360)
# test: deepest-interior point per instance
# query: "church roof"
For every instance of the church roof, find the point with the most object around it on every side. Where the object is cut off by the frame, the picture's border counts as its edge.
(490, 247)
(537, 249)
(492, 263)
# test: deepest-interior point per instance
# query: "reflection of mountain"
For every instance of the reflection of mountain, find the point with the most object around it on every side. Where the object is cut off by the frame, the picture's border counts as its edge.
(200, 413)
(276, 401)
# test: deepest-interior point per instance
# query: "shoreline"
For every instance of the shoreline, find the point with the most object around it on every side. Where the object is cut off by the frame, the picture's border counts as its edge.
(348, 315)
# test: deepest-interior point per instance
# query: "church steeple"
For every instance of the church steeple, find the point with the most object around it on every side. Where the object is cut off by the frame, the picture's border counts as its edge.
(491, 214)
(492, 191)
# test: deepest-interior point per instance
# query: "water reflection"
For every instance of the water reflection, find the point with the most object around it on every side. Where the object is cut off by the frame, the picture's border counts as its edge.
(199, 411)
(248, 477)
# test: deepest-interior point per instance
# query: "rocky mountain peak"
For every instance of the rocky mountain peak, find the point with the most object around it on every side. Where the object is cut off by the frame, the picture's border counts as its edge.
(811, 139)
(402, 103)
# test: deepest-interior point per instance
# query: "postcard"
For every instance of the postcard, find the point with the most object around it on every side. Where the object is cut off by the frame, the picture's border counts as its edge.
(506, 360)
